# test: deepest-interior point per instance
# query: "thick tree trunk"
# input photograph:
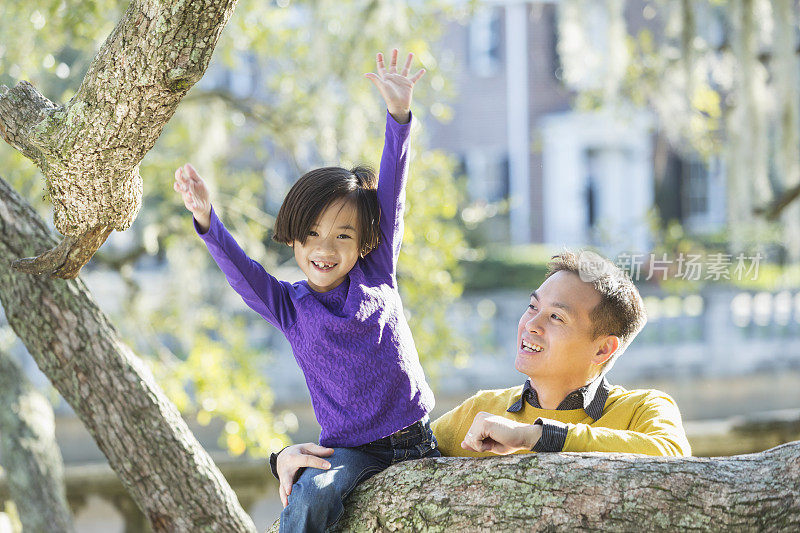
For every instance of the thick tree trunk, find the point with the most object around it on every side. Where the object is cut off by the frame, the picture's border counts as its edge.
(90, 149)
(583, 492)
(147, 443)
(31, 457)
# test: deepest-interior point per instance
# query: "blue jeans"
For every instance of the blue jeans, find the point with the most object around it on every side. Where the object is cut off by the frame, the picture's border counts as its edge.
(316, 501)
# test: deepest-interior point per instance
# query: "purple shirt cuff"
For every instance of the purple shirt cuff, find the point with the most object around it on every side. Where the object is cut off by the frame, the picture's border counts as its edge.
(389, 117)
(212, 215)
(554, 435)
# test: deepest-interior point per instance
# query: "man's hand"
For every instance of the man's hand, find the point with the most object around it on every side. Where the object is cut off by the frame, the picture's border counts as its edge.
(194, 193)
(496, 434)
(295, 457)
(395, 88)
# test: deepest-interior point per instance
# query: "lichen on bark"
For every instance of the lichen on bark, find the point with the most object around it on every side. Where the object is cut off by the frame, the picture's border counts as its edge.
(582, 491)
(89, 149)
(147, 443)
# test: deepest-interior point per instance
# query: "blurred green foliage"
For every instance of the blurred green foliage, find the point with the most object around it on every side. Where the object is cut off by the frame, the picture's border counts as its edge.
(509, 267)
(673, 241)
(309, 106)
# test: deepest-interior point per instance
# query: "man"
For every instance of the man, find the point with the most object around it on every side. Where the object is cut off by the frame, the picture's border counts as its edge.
(582, 317)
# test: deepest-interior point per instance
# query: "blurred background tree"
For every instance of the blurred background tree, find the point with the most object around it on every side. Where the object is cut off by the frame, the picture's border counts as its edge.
(285, 93)
(722, 78)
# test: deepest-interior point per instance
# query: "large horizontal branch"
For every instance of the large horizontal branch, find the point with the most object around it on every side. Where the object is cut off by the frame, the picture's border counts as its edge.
(582, 492)
(147, 443)
(90, 149)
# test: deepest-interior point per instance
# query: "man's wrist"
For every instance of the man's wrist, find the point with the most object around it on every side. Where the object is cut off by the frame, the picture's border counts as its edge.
(533, 434)
(553, 435)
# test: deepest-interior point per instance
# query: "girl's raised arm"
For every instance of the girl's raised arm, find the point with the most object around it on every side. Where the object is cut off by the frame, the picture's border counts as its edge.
(260, 290)
(395, 88)
(194, 193)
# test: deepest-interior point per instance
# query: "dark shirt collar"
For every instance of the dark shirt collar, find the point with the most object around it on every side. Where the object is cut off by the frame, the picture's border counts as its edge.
(591, 398)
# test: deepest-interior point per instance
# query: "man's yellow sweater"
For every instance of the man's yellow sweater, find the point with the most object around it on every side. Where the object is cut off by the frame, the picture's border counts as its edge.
(636, 421)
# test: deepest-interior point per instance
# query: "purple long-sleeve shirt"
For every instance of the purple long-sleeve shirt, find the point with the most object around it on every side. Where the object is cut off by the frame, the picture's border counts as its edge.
(353, 343)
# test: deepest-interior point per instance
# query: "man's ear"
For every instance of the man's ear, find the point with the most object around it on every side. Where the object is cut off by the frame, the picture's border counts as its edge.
(608, 346)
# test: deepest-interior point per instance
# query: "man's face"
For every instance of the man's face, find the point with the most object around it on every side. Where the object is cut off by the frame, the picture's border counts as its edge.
(554, 339)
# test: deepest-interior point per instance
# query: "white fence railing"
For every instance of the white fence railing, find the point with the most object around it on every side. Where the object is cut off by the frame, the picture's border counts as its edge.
(716, 333)
(719, 332)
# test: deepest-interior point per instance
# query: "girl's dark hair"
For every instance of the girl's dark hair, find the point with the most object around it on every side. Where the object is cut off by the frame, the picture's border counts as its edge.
(316, 190)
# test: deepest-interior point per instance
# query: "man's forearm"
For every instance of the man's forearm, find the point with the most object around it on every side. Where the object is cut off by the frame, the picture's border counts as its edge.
(586, 438)
(497, 434)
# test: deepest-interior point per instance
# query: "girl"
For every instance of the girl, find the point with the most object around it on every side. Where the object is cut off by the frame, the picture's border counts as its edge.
(345, 322)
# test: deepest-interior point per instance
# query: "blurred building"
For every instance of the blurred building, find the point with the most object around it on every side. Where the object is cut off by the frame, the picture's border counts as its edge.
(541, 170)
(564, 177)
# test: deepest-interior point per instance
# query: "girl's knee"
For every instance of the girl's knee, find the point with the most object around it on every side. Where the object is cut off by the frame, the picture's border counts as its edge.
(319, 488)
(314, 504)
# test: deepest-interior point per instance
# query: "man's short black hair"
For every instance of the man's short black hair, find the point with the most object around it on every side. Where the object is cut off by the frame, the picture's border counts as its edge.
(621, 310)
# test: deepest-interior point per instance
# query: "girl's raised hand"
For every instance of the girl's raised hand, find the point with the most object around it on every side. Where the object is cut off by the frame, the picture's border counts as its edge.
(194, 193)
(396, 88)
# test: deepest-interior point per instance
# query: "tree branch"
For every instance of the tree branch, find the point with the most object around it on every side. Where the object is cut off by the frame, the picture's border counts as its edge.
(582, 492)
(773, 210)
(89, 150)
(21, 108)
(30, 454)
(147, 443)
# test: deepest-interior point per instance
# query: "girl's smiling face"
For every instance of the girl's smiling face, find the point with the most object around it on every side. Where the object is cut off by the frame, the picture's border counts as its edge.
(331, 248)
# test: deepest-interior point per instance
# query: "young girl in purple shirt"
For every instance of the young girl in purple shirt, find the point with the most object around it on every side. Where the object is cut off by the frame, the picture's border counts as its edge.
(345, 322)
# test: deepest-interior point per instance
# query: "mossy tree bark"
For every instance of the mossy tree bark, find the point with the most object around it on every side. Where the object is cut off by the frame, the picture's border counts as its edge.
(31, 457)
(90, 148)
(582, 492)
(147, 443)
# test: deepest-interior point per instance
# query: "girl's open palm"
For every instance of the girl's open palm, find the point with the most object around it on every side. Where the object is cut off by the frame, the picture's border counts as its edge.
(395, 87)
(194, 193)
